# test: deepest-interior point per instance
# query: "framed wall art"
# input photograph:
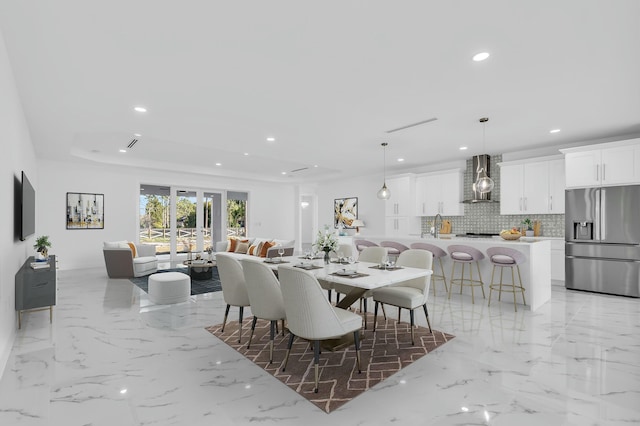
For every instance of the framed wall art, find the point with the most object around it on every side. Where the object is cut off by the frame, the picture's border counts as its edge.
(345, 211)
(85, 211)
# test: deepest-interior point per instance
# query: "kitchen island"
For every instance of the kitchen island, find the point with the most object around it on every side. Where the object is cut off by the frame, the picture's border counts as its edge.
(535, 271)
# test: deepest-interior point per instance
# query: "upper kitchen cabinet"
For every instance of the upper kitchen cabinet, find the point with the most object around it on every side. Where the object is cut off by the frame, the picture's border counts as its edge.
(400, 202)
(615, 163)
(534, 186)
(439, 192)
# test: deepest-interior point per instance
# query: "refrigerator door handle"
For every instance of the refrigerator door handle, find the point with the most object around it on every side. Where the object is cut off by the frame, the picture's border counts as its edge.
(596, 223)
(603, 211)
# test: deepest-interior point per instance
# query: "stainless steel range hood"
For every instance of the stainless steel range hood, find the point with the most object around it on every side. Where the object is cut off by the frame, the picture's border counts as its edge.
(479, 162)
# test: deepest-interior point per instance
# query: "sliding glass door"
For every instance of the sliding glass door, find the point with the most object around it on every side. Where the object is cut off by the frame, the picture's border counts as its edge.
(179, 221)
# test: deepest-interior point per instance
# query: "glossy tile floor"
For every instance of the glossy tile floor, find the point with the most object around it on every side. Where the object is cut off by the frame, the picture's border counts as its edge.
(112, 358)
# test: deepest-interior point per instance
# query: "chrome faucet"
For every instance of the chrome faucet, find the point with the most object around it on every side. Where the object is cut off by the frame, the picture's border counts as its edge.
(436, 225)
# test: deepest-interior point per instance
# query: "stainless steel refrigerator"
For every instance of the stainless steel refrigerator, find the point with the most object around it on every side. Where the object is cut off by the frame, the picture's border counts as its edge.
(602, 234)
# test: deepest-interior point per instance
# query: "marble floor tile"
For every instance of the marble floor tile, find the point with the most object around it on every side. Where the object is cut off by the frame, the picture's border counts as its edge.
(111, 357)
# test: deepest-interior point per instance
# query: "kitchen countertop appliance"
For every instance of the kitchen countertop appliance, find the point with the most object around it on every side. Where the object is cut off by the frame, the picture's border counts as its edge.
(602, 240)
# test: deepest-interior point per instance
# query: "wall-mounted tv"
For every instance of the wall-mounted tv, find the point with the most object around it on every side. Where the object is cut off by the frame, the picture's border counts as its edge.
(27, 208)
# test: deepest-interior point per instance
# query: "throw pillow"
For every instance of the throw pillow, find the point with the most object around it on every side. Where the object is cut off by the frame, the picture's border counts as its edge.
(265, 247)
(242, 247)
(252, 249)
(232, 244)
(133, 249)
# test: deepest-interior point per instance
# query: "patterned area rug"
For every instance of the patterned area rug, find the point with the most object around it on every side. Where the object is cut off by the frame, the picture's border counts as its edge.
(197, 286)
(383, 354)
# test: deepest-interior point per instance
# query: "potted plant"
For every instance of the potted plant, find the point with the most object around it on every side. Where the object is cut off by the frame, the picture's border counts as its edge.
(42, 246)
(528, 225)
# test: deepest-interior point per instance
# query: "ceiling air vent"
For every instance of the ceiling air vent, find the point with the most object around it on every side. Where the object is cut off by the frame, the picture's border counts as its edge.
(132, 143)
(429, 120)
(299, 170)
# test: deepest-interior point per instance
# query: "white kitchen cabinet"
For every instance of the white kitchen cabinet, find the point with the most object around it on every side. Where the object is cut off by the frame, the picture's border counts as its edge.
(557, 260)
(532, 187)
(401, 189)
(397, 226)
(557, 187)
(615, 163)
(439, 192)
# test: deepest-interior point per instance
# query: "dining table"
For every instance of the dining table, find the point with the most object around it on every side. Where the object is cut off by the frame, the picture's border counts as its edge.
(359, 276)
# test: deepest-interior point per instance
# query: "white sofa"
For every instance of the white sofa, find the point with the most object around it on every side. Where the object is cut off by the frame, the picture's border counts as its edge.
(121, 263)
(288, 245)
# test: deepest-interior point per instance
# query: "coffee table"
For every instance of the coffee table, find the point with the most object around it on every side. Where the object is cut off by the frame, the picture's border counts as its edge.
(200, 270)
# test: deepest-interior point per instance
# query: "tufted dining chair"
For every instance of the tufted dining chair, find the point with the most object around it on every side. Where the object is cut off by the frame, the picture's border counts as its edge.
(265, 296)
(234, 289)
(310, 316)
(409, 294)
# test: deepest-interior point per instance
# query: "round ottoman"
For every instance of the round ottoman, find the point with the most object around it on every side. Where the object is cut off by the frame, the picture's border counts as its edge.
(169, 287)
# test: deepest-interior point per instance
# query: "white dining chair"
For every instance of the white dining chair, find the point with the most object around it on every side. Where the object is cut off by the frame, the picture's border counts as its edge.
(234, 289)
(372, 254)
(310, 316)
(265, 296)
(409, 294)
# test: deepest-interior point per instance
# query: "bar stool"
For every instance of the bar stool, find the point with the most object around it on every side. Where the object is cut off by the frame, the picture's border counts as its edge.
(362, 244)
(438, 253)
(503, 257)
(463, 255)
(393, 249)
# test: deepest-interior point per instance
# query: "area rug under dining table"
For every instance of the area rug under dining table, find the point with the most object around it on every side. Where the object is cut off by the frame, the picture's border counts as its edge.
(383, 354)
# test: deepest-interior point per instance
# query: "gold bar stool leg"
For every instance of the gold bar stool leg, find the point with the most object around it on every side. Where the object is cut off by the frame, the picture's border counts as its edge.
(444, 278)
(471, 283)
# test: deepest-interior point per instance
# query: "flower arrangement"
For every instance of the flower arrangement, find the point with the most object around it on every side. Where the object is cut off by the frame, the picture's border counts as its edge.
(326, 242)
(528, 223)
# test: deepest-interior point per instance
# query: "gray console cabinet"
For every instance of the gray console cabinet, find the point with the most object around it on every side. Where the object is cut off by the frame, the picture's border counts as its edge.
(36, 288)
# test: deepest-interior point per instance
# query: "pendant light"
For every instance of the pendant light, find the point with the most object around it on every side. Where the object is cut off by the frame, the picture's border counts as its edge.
(384, 192)
(483, 182)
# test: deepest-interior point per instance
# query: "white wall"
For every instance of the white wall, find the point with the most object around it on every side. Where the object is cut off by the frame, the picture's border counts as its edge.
(17, 155)
(370, 208)
(271, 214)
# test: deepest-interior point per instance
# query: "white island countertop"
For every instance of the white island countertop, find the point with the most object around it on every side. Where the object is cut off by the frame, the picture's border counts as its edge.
(535, 271)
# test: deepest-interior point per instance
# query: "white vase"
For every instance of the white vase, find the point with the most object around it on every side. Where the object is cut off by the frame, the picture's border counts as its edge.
(529, 233)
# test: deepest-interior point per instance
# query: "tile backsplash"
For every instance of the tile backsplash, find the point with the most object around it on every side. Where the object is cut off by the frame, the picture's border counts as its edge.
(486, 217)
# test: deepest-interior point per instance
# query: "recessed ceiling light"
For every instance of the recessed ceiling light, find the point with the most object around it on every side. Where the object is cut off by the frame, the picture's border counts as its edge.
(140, 109)
(123, 150)
(271, 139)
(283, 173)
(218, 164)
(480, 56)
(400, 160)
(246, 153)
(554, 131)
(315, 165)
(462, 148)
(137, 135)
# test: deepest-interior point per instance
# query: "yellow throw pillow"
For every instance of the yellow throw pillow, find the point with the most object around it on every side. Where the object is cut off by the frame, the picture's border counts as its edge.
(232, 244)
(133, 249)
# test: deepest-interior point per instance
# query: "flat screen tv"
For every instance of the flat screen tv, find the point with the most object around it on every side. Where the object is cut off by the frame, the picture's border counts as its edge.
(27, 208)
